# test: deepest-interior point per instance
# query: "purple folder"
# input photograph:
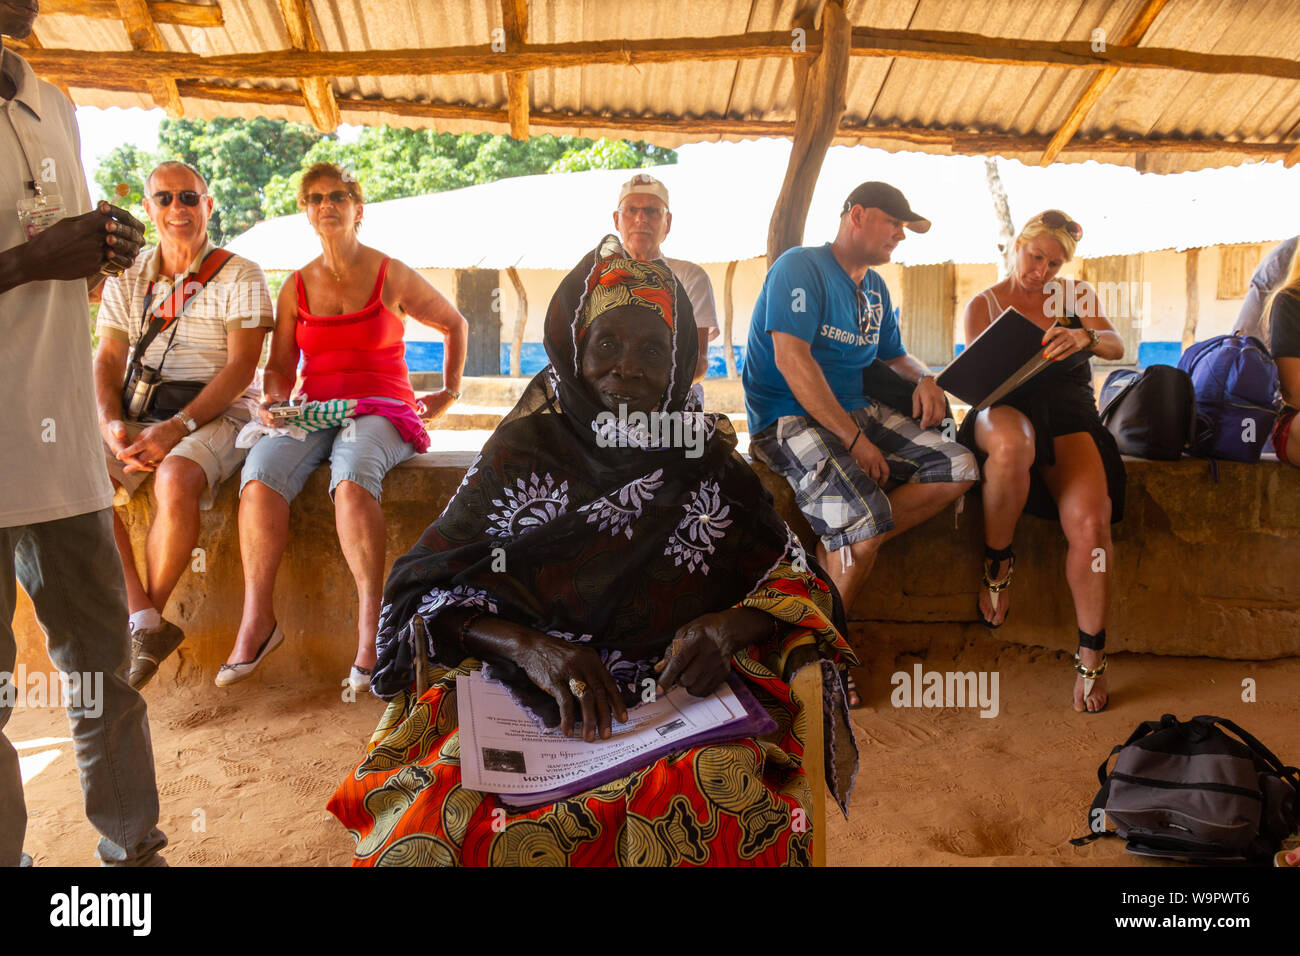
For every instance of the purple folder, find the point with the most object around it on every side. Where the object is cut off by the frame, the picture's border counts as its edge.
(755, 723)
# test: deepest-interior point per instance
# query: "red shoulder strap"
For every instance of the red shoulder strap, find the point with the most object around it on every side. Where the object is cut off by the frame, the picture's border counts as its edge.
(187, 290)
(379, 282)
(302, 292)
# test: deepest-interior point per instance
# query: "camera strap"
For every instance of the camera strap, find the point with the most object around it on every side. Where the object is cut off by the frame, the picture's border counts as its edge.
(171, 308)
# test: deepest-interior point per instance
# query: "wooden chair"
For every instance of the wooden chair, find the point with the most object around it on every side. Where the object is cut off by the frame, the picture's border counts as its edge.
(807, 685)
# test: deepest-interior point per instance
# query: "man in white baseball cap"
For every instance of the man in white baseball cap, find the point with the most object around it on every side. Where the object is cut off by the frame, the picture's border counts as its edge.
(643, 220)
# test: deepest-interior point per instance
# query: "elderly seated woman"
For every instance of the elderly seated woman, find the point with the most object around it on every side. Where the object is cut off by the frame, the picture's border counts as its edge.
(579, 562)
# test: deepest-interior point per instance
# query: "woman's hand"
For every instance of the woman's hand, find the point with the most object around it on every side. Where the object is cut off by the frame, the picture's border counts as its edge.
(1060, 342)
(560, 669)
(434, 405)
(264, 413)
(699, 657)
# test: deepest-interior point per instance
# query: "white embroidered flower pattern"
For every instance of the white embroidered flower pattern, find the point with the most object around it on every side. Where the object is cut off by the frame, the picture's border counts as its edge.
(473, 469)
(528, 506)
(459, 596)
(617, 516)
(706, 519)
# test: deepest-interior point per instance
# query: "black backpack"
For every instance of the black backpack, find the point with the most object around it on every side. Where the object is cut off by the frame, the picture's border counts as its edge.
(1186, 790)
(1151, 413)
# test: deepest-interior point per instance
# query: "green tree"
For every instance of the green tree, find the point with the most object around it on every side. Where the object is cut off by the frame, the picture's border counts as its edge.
(395, 163)
(253, 167)
(238, 158)
(130, 165)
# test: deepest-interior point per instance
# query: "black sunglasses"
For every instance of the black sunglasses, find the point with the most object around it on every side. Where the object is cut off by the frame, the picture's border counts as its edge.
(337, 197)
(1059, 220)
(187, 196)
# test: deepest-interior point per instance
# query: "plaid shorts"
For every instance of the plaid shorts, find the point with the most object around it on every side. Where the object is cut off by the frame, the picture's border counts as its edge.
(840, 502)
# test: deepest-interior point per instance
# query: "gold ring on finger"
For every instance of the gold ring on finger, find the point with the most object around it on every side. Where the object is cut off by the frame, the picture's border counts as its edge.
(577, 687)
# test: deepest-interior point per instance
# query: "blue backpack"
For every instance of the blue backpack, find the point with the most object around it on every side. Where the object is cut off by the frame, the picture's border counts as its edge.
(1237, 396)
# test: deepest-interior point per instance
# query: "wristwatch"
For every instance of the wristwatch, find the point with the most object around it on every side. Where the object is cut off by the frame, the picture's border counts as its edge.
(1095, 336)
(190, 424)
(452, 392)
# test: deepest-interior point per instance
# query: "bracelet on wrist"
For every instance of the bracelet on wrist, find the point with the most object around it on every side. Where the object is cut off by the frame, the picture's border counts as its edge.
(452, 392)
(855, 440)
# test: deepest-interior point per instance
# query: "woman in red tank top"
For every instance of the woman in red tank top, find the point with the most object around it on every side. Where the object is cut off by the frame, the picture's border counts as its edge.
(342, 317)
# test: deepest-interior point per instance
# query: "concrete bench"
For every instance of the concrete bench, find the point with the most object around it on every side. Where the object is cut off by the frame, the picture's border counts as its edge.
(1200, 568)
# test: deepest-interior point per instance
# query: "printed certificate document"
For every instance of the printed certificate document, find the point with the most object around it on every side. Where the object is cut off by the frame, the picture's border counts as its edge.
(503, 751)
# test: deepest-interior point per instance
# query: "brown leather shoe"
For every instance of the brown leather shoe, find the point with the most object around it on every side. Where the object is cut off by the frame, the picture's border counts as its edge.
(150, 648)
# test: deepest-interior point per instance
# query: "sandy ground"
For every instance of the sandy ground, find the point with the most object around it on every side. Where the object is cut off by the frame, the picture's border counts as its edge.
(244, 773)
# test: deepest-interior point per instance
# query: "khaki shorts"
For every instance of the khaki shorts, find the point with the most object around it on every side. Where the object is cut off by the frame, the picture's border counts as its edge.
(211, 447)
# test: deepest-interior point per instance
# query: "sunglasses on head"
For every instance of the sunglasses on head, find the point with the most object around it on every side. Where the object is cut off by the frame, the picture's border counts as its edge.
(187, 197)
(337, 197)
(1059, 220)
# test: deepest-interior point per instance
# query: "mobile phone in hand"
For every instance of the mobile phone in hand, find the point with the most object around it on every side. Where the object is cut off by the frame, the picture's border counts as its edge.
(285, 412)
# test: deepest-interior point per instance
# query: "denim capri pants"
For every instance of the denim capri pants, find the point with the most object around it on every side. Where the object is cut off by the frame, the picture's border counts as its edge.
(362, 451)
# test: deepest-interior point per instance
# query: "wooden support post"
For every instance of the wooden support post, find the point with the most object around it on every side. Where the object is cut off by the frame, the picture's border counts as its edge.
(1192, 315)
(316, 90)
(728, 307)
(145, 37)
(1292, 157)
(521, 320)
(820, 89)
(514, 13)
(1131, 35)
(202, 15)
(478, 298)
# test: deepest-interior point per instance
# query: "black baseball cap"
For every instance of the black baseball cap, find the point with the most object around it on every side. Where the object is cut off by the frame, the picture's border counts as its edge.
(889, 200)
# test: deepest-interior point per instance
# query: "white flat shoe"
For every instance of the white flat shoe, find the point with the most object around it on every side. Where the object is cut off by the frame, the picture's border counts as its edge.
(234, 673)
(359, 679)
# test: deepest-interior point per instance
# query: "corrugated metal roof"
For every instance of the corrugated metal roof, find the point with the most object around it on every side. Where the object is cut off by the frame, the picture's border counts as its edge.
(689, 99)
(722, 195)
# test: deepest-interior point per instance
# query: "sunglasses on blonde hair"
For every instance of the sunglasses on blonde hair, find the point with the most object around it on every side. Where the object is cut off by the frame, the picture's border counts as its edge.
(1053, 219)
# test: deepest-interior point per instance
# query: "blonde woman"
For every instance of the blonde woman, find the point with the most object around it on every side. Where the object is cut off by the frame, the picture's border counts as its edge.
(1043, 449)
(1282, 332)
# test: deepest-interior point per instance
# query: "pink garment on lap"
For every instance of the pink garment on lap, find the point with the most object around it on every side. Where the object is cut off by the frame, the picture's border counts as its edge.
(402, 416)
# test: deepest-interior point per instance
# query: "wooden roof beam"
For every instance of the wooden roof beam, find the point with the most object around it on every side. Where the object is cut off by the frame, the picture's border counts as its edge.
(145, 37)
(201, 15)
(1132, 34)
(85, 66)
(514, 16)
(316, 90)
(958, 141)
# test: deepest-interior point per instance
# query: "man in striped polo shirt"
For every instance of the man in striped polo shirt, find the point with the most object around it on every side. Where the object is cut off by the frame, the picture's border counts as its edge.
(216, 344)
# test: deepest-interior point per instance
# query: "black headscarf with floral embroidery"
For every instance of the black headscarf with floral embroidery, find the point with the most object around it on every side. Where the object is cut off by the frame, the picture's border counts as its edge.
(565, 525)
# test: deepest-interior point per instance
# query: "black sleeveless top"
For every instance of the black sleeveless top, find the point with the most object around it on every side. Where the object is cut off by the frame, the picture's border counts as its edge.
(1059, 400)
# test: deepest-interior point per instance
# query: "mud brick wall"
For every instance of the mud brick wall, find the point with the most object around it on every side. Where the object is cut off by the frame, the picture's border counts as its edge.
(1201, 568)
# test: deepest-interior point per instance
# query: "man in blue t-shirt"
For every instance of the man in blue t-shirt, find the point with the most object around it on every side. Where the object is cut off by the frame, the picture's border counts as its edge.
(822, 317)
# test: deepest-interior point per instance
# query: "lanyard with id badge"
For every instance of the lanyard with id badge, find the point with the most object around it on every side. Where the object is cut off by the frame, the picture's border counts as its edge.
(37, 213)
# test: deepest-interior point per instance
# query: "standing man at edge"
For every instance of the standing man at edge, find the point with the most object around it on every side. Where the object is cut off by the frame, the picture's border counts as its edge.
(823, 316)
(643, 220)
(55, 524)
